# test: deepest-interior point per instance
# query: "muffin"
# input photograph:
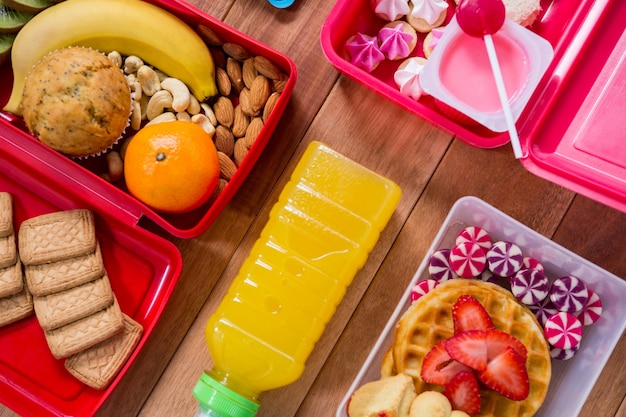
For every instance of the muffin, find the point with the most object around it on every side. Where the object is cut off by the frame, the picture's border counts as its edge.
(76, 101)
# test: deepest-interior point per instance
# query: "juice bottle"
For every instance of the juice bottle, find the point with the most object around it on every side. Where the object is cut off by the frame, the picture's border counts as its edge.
(319, 233)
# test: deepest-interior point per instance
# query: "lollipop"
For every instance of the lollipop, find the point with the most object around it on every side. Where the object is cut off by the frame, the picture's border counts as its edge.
(481, 19)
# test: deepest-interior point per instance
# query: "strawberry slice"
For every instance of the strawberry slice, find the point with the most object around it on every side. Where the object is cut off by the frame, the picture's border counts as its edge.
(438, 367)
(469, 314)
(497, 341)
(463, 393)
(506, 374)
(469, 348)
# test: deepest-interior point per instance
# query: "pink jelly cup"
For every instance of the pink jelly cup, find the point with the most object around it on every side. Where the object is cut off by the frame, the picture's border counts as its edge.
(458, 72)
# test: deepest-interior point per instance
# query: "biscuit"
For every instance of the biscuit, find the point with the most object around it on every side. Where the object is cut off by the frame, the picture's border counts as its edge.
(56, 236)
(6, 214)
(61, 308)
(15, 307)
(11, 279)
(86, 332)
(98, 365)
(8, 251)
(45, 279)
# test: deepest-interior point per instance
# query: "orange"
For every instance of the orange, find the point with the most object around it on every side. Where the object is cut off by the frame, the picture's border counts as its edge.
(172, 167)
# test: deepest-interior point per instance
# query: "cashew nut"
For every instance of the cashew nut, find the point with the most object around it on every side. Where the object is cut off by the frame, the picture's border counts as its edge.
(136, 90)
(163, 117)
(181, 96)
(132, 64)
(208, 111)
(160, 101)
(135, 116)
(204, 122)
(116, 58)
(183, 116)
(149, 80)
(194, 105)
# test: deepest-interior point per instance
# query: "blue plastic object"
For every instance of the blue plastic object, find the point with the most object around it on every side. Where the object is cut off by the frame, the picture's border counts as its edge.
(281, 4)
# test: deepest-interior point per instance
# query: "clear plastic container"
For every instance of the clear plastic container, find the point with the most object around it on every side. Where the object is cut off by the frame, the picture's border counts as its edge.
(327, 219)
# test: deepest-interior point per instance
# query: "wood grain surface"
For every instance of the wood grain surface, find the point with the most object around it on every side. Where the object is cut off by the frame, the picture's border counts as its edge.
(432, 169)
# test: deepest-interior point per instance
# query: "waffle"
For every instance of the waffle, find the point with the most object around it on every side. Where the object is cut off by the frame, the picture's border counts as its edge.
(429, 321)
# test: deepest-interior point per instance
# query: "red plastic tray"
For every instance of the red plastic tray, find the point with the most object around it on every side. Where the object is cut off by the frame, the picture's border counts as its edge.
(187, 225)
(142, 267)
(571, 129)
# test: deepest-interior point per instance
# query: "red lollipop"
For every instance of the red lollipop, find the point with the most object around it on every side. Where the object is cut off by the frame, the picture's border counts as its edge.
(481, 19)
(478, 18)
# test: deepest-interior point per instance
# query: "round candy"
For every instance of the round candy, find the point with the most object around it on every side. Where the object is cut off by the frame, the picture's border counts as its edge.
(529, 262)
(488, 276)
(543, 310)
(504, 258)
(563, 330)
(422, 288)
(475, 235)
(563, 354)
(569, 294)
(530, 286)
(439, 265)
(592, 310)
(467, 259)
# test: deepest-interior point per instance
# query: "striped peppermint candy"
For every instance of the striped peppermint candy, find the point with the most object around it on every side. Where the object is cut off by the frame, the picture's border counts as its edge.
(563, 330)
(421, 288)
(530, 286)
(504, 258)
(564, 354)
(543, 310)
(592, 310)
(439, 265)
(467, 259)
(476, 235)
(569, 294)
(529, 262)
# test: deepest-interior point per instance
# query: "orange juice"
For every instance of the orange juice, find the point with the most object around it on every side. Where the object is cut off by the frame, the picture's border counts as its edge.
(319, 233)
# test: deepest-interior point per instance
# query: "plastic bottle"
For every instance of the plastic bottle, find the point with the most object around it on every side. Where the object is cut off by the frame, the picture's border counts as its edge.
(319, 234)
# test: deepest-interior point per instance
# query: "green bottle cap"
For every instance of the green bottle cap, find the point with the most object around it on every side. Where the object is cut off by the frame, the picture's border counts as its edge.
(221, 399)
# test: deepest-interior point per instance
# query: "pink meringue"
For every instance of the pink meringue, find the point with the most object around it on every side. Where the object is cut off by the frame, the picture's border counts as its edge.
(397, 40)
(364, 51)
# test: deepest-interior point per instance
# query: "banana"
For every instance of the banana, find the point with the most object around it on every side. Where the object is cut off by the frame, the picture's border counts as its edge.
(131, 27)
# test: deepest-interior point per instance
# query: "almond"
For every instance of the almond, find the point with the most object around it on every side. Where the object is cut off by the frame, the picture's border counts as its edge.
(224, 111)
(224, 140)
(209, 36)
(249, 72)
(223, 81)
(233, 69)
(269, 105)
(246, 104)
(279, 84)
(259, 93)
(267, 68)
(227, 166)
(240, 122)
(240, 151)
(236, 51)
(254, 129)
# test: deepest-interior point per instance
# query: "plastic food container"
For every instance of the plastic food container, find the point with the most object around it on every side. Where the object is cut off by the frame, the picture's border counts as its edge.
(191, 224)
(573, 379)
(570, 130)
(143, 268)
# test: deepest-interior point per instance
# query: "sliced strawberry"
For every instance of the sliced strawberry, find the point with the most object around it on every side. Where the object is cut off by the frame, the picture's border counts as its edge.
(463, 392)
(438, 367)
(469, 314)
(506, 374)
(469, 348)
(497, 340)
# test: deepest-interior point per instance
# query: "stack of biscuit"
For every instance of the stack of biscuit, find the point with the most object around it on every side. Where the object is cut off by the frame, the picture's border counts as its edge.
(72, 296)
(15, 300)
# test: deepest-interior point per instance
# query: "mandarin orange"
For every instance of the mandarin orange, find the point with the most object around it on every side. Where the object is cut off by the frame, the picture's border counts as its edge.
(172, 167)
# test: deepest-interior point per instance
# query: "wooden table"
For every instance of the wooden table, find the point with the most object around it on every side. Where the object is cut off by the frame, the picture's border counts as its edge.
(433, 170)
